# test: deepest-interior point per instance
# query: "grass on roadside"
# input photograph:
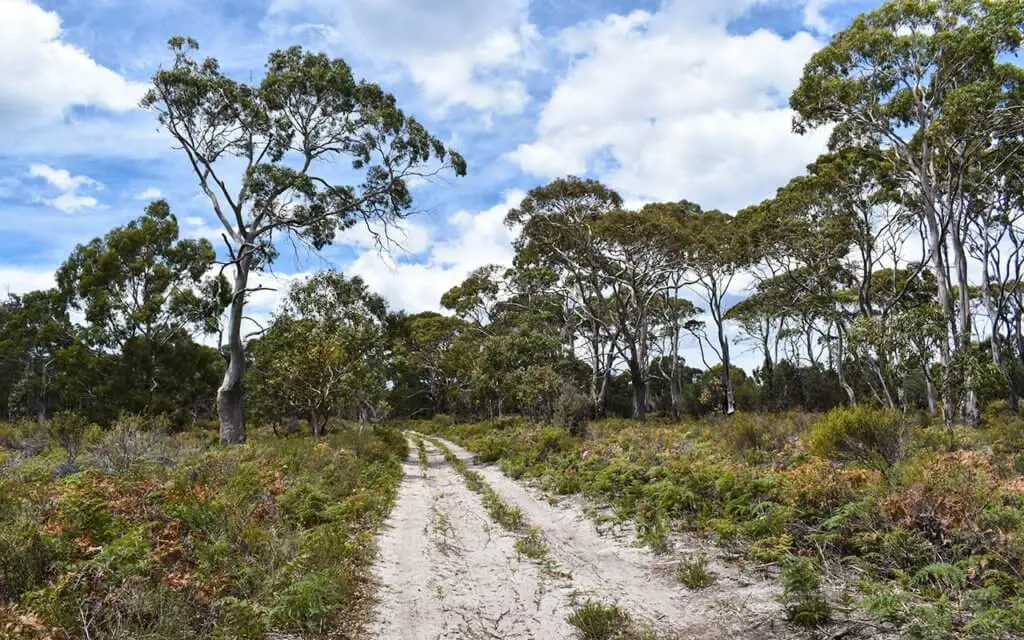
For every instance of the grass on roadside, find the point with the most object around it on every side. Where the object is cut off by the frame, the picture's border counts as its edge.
(203, 542)
(598, 621)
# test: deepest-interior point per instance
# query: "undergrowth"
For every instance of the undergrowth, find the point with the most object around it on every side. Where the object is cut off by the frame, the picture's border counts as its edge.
(932, 519)
(166, 537)
(598, 621)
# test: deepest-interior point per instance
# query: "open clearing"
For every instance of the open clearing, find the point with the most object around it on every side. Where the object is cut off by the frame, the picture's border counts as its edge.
(446, 570)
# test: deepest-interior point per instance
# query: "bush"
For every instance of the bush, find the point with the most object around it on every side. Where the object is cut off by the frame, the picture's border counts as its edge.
(805, 603)
(68, 430)
(132, 441)
(694, 574)
(865, 435)
(596, 621)
(745, 432)
(573, 410)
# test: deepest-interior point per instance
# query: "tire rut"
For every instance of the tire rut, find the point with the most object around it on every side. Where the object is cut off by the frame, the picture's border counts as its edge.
(737, 605)
(446, 571)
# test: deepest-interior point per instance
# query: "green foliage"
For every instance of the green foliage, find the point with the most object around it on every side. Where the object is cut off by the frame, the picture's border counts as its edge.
(873, 437)
(805, 603)
(209, 543)
(694, 574)
(597, 621)
(573, 411)
(531, 544)
(68, 429)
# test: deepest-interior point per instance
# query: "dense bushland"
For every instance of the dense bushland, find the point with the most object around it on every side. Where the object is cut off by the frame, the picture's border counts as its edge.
(150, 535)
(932, 534)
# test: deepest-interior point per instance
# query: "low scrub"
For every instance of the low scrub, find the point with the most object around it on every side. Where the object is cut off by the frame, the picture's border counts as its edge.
(867, 488)
(161, 537)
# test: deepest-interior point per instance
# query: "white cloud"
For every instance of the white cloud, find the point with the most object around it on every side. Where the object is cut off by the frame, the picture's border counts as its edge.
(20, 279)
(478, 239)
(45, 76)
(151, 193)
(59, 178)
(670, 105)
(459, 52)
(68, 201)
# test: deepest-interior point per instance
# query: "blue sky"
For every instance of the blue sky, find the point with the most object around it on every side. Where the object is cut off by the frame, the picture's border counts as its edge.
(661, 100)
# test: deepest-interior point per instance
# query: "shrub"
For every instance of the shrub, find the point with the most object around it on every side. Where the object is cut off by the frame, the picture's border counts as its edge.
(596, 621)
(572, 410)
(68, 430)
(864, 435)
(312, 602)
(694, 574)
(805, 603)
(745, 432)
(944, 495)
(132, 441)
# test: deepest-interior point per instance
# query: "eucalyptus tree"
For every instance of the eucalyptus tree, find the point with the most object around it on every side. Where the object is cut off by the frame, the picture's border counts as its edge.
(325, 355)
(929, 84)
(558, 240)
(713, 248)
(639, 274)
(266, 156)
(143, 294)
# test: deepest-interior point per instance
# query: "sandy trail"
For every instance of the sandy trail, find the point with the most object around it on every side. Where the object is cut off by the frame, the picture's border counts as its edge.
(447, 571)
(737, 605)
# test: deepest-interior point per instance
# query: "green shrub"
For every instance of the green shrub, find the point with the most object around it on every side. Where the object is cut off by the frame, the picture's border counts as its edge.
(596, 621)
(239, 620)
(312, 602)
(573, 411)
(68, 430)
(694, 573)
(805, 603)
(25, 559)
(865, 435)
(747, 432)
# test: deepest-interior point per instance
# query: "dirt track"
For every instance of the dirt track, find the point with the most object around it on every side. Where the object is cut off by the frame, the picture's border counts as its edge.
(447, 571)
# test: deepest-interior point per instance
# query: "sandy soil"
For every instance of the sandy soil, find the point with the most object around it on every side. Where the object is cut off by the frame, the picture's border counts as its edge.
(447, 571)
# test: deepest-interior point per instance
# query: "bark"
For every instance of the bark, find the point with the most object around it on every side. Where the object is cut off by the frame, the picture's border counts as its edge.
(639, 387)
(851, 396)
(723, 343)
(971, 411)
(230, 397)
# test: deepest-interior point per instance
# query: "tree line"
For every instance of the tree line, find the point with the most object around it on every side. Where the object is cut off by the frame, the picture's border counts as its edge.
(889, 273)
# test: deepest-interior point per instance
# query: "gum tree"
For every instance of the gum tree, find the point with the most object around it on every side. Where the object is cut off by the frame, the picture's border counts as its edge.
(268, 156)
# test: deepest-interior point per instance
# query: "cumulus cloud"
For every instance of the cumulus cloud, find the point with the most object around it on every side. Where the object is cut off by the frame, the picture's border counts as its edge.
(459, 52)
(19, 279)
(69, 200)
(151, 193)
(670, 105)
(476, 239)
(44, 76)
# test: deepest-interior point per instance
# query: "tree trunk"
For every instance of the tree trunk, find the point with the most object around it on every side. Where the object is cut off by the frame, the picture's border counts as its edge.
(723, 342)
(841, 368)
(639, 387)
(971, 411)
(230, 398)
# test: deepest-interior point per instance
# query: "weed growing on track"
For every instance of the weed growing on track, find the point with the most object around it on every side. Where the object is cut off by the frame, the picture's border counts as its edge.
(530, 542)
(597, 621)
(422, 448)
(694, 573)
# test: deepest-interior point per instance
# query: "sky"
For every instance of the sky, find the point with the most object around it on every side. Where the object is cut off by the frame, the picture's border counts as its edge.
(670, 100)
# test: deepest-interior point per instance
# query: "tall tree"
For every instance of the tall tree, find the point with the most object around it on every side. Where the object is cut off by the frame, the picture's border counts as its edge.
(285, 132)
(929, 84)
(144, 293)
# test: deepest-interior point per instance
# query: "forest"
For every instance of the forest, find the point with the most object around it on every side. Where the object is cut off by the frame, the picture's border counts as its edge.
(153, 433)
